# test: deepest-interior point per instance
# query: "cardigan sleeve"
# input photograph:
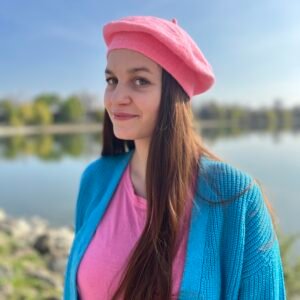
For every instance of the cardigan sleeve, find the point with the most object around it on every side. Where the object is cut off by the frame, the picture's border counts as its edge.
(83, 197)
(262, 274)
(89, 187)
(78, 205)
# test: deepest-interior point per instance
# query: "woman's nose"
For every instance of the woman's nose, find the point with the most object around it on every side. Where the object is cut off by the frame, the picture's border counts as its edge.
(120, 94)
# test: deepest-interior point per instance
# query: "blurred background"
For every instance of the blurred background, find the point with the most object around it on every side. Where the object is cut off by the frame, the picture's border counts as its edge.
(52, 60)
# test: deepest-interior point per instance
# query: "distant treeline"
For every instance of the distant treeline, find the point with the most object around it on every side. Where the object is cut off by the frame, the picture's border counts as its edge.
(48, 109)
(274, 117)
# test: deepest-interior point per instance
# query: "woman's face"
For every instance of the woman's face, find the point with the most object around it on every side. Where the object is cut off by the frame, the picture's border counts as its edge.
(134, 88)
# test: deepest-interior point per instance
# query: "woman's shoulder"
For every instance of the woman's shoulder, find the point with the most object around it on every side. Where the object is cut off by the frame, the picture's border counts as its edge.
(102, 165)
(222, 181)
(93, 182)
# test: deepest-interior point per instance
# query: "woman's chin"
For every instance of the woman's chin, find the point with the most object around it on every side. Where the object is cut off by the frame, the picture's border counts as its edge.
(124, 136)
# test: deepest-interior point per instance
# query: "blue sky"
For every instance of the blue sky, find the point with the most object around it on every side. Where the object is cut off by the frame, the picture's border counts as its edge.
(57, 46)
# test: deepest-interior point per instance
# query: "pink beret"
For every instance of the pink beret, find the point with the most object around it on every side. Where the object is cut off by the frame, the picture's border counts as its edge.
(166, 43)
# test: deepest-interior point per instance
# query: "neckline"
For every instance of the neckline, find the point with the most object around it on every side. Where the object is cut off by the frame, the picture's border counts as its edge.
(139, 201)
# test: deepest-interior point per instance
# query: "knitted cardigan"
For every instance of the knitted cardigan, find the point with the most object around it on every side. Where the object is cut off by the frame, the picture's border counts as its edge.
(232, 249)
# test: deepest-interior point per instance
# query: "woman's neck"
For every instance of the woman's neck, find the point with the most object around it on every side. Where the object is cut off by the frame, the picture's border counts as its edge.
(138, 165)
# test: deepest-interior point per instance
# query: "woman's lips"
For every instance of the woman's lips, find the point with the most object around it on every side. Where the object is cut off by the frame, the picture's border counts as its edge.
(123, 117)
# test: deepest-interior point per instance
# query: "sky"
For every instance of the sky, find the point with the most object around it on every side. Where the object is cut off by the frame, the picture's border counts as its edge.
(57, 46)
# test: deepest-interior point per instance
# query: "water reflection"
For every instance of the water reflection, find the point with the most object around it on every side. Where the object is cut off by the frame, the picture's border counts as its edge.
(46, 169)
(46, 147)
(53, 147)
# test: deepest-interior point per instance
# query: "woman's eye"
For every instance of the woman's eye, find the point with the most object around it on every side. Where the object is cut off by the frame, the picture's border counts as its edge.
(138, 81)
(142, 80)
(108, 80)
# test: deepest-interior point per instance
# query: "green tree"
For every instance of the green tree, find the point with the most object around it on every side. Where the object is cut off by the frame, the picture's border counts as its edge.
(99, 115)
(235, 114)
(42, 114)
(27, 113)
(49, 99)
(11, 113)
(272, 119)
(71, 110)
(287, 118)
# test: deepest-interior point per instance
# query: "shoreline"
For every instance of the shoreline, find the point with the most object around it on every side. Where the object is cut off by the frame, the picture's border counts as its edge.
(7, 130)
(50, 129)
(33, 257)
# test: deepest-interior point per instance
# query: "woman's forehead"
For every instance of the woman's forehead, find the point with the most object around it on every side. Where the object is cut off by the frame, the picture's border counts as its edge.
(131, 61)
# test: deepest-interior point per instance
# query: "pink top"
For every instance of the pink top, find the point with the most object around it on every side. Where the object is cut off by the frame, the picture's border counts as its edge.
(121, 226)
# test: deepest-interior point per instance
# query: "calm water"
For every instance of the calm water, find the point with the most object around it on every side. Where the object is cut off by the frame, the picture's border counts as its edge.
(40, 175)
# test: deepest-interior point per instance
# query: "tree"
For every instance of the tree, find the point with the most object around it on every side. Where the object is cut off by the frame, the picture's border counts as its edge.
(27, 113)
(71, 110)
(42, 114)
(11, 113)
(53, 101)
(49, 99)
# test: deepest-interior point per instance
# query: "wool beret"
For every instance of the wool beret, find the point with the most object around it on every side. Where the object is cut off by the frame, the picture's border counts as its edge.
(166, 43)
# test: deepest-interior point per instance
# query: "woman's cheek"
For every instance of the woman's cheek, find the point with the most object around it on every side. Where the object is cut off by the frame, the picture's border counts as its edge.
(106, 101)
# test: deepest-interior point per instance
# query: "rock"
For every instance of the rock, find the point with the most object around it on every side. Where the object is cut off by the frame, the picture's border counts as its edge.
(42, 244)
(6, 226)
(62, 239)
(44, 276)
(5, 272)
(54, 242)
(38, 227)
(26, 243)
(18, 228)
(6, 291)
(2, 215)
(57, 264)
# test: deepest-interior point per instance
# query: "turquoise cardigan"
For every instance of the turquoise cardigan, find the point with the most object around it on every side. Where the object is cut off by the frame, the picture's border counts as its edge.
(232, 250)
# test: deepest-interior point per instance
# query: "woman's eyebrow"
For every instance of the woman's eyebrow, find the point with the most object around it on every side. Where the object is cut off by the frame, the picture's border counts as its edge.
(131, 71)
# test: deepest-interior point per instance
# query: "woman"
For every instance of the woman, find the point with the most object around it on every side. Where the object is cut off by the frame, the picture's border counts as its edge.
(158, 215)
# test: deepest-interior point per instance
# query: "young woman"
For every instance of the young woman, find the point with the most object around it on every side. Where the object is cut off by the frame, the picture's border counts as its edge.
(158, 215)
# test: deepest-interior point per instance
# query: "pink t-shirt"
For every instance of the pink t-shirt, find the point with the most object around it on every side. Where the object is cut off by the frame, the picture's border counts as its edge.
(120, 228)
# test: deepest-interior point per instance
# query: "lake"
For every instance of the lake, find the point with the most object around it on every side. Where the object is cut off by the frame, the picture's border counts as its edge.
(39, 175)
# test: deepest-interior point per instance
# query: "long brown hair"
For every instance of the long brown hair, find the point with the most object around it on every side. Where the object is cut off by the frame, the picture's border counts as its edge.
(172, 166)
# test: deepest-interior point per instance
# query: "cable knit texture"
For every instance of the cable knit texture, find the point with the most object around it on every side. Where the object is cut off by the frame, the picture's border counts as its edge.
(166, 43)
(232, 249)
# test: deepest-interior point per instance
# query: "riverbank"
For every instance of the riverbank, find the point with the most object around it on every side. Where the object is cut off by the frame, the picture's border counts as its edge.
(77, 128)
(33, 258)
(50, 129)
